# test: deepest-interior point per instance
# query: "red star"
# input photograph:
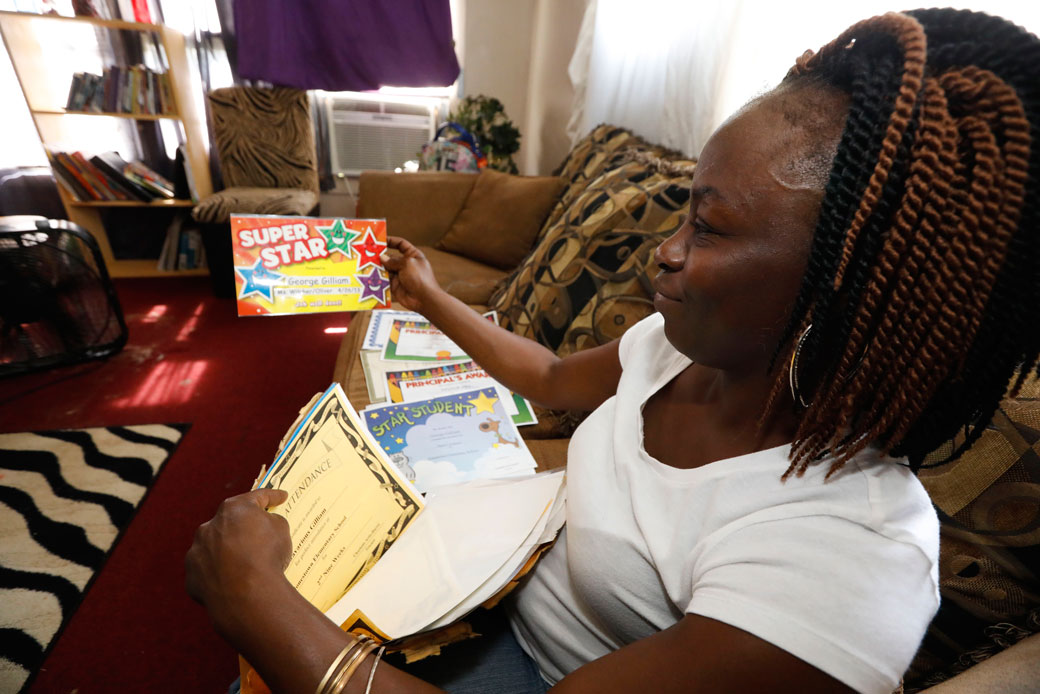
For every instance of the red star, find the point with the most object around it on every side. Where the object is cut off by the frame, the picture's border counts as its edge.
(369, 249)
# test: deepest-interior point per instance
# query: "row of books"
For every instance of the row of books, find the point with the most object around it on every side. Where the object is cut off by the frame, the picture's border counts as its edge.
(133, 89)
(182, 249)
(108, 176)
(146, 11)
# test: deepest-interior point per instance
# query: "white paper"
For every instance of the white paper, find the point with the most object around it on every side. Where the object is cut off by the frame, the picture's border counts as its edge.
(547, 527)
(463, 538)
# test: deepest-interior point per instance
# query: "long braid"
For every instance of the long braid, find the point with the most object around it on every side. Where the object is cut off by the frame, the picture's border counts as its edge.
(924, 262)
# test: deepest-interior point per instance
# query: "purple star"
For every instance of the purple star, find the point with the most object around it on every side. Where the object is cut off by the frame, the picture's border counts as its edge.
(374, 286)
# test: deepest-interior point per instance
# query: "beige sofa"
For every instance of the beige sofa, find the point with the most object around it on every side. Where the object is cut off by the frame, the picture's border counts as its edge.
(586, 280)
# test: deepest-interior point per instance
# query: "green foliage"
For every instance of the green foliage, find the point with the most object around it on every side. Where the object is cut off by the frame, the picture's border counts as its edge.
(485, 117)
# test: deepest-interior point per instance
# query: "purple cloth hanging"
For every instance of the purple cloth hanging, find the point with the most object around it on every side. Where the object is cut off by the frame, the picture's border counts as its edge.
(346, 45)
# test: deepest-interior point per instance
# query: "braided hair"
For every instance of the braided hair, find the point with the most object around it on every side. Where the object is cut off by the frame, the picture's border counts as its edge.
(924, 259)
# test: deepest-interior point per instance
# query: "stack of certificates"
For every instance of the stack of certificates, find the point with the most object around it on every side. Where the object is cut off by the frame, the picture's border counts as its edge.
(438, 416)
(375, 555)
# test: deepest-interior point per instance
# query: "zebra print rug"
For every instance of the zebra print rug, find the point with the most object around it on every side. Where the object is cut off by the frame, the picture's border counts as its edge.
(65, 498)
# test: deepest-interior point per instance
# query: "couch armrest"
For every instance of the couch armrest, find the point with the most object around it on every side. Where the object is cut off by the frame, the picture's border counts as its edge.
(1015, 670)
(418, 206)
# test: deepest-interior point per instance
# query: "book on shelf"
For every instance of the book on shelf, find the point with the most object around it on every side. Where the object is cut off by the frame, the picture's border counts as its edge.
(108, 177)
(183, 178)
(133, 89)
(98, 178)
(377, 557)
(67, 179)
(115, 168)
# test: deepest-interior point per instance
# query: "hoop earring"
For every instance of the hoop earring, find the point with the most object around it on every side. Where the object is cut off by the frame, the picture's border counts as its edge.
(792, 372)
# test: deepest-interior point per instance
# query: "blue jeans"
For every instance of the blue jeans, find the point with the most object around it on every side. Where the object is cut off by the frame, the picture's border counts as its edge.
(492, 663)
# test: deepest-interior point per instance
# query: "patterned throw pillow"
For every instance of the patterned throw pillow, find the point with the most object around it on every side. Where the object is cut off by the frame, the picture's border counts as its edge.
(575, 268)
(604, 148)
(989, 552)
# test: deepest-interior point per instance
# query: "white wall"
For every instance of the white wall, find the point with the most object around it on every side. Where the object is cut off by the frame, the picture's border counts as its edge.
(518, 51)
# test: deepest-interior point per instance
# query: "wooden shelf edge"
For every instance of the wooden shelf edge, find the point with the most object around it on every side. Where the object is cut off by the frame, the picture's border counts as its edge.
(131, 203)
(110, 23)
(106, 114)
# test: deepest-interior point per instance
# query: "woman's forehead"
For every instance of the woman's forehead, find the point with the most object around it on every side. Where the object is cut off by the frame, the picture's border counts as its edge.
(761, 145)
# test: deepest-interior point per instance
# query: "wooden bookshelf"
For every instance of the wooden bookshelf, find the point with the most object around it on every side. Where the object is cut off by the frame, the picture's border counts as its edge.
(131, 203)
(29, 38)
(106, 114)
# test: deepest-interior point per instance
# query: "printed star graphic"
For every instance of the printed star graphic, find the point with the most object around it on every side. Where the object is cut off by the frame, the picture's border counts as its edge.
(257, 280)
(368, 250)
(483, 403)
(338, 237)
(374, 285)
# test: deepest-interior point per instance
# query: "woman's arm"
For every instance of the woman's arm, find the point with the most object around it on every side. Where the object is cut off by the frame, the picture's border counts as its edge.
(579, 382)
(235, 569)
(696, 655)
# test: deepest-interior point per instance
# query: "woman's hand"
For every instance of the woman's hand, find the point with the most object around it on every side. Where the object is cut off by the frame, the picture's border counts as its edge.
(240, 550)
(411, 277)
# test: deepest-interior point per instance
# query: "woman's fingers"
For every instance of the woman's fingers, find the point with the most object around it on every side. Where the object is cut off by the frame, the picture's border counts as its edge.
(266, 498)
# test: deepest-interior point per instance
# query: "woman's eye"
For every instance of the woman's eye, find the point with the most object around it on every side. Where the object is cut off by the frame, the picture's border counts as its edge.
(701, 228)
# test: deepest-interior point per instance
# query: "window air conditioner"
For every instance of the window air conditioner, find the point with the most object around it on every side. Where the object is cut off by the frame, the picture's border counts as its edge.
(377, 133)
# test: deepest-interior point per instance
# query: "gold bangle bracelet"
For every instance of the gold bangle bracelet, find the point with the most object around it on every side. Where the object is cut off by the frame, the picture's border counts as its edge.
(351, 666)
(330, 673)
(372, 672)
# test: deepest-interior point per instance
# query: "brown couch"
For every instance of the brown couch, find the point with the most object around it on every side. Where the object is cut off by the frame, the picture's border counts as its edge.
(586, 280)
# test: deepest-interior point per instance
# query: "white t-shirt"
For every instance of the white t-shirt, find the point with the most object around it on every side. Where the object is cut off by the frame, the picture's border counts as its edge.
(841, 574)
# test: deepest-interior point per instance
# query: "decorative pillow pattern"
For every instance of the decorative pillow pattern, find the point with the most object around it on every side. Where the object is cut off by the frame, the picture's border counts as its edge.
(989, 551)
(626, 210)
(604, 148)
(621, 299)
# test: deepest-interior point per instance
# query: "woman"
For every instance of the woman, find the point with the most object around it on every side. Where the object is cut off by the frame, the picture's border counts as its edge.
(855, 283)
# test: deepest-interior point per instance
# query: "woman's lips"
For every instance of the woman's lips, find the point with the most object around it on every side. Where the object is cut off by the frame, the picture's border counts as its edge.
(663, 300)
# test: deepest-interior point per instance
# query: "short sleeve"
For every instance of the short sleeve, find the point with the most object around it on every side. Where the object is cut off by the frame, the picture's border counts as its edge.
(836, 594)
(637, 333)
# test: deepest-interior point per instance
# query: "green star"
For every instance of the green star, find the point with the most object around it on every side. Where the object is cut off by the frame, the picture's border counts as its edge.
(338, 237)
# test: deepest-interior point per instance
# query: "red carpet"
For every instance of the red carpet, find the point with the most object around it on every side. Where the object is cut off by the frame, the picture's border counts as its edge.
(240, 383)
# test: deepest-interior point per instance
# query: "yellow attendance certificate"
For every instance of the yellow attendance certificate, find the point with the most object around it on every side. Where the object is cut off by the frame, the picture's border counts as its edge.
(347, 502)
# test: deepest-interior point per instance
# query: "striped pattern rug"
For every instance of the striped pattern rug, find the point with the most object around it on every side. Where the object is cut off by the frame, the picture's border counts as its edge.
(65, 498)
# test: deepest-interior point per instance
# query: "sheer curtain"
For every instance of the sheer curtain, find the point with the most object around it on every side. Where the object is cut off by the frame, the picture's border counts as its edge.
(673, 70)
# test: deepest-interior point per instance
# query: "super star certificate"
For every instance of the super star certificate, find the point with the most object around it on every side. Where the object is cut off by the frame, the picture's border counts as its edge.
(287, 265)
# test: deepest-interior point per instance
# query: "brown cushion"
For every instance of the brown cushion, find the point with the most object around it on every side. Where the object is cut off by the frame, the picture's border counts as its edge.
(218, 208)
(417, 206)
(465, 279)
(501, 217)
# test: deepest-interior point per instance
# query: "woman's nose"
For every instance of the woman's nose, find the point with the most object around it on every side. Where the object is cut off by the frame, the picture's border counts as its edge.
(670, 254)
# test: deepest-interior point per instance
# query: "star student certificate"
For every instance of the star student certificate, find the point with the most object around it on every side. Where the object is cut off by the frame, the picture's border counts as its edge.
(286, 265)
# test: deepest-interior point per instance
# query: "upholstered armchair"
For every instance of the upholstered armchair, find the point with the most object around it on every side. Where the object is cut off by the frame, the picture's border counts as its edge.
(265, 143)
